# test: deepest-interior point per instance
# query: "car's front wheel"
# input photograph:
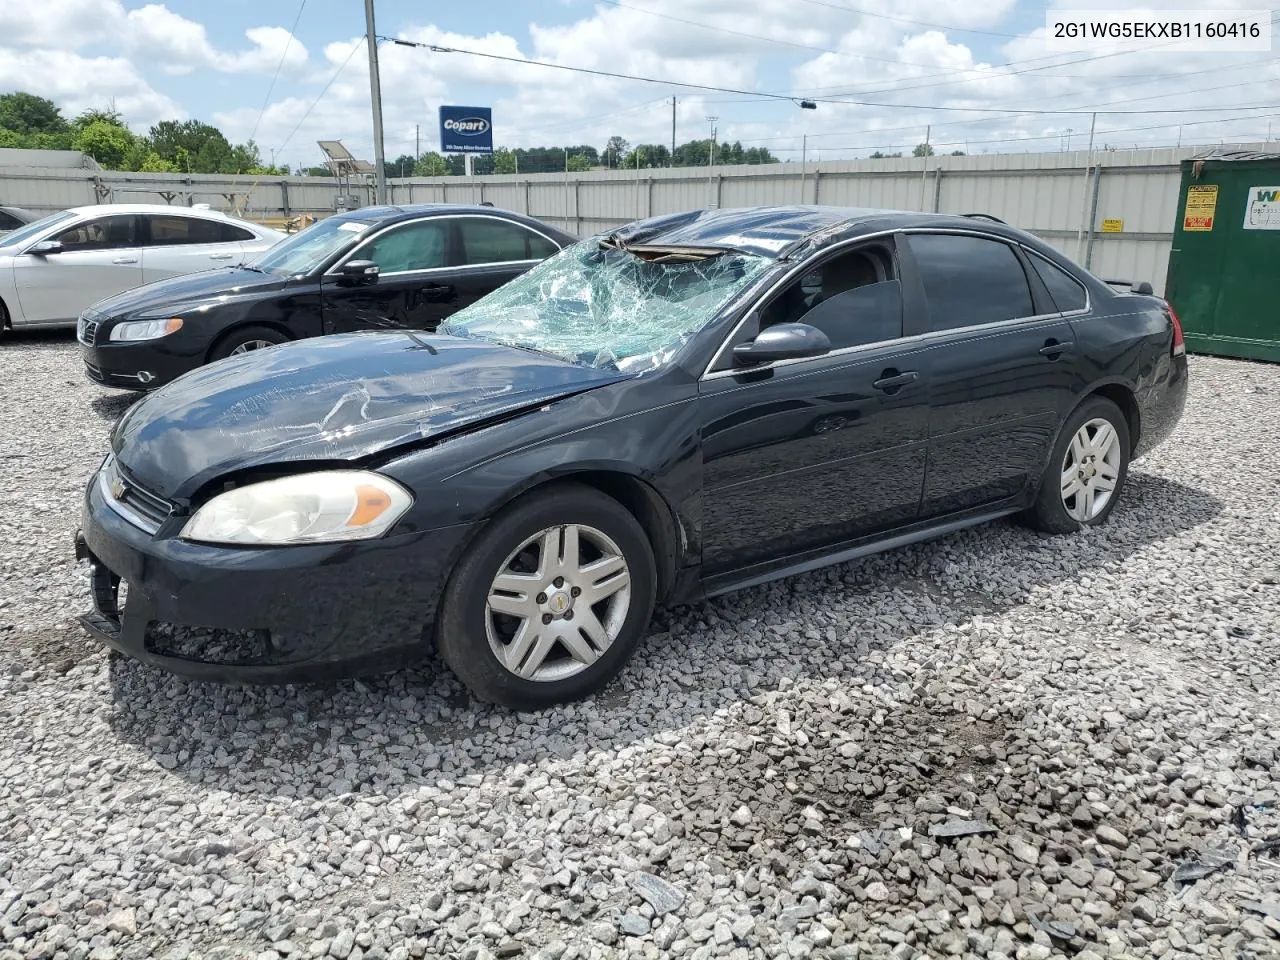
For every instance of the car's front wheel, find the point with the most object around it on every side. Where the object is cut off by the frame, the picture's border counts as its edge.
(548, 603)
(245, 339)
(1086, 471)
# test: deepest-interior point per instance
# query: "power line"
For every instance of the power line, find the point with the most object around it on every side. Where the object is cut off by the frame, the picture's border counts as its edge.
(434, 48)
(763, 39)
(1015, 113)
(275, 76)
(919, 23)
(358, 44)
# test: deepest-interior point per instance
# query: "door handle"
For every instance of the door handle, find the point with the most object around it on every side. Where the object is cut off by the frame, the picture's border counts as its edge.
(436, 292)
(125, 260)
(221, 256)
(891, 381)
(1053, 349)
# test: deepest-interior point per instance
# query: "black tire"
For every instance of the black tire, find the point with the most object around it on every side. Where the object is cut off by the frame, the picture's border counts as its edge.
(1049, 513)
(230, 342)
(462, 632)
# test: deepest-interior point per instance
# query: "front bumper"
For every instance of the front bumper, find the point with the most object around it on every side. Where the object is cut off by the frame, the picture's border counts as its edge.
(264, 615)
(142, 364)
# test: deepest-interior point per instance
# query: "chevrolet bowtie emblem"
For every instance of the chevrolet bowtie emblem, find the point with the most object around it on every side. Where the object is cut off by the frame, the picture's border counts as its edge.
(118, 488)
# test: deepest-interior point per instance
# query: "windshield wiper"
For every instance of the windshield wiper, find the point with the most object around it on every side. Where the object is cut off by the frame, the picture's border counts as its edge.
(245, 266)
(413, 335)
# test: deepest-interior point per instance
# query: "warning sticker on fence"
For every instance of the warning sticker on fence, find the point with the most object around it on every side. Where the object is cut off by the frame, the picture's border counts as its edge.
(1263, 210)
(1202, 204)
(1113, 225)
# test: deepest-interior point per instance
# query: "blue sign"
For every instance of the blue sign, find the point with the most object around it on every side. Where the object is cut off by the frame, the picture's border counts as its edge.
(466, 130)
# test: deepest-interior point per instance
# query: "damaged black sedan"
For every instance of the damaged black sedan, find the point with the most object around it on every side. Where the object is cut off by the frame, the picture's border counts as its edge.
(688, 406)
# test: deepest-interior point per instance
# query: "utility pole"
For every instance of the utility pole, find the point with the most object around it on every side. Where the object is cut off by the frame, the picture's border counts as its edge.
(673, 131)
(1084, 192)
(417, 142)
(711, 156)
(375, 94)
(924, 167)
(804, 151)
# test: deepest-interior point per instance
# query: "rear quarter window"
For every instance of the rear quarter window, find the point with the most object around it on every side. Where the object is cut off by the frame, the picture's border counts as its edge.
(1067, 292)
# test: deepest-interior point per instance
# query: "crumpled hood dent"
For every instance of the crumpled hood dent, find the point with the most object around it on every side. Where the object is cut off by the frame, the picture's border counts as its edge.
(339, 398)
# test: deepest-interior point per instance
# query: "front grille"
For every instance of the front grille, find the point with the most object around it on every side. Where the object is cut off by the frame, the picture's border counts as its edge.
(87, 327)
(133, 502)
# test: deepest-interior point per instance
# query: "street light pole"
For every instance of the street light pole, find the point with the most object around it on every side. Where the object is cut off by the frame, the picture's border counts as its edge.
(375, 94)
(711, 156)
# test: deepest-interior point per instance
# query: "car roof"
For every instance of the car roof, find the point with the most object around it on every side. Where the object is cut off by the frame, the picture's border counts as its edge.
(153, 208)
(389, 213)
(784, 231)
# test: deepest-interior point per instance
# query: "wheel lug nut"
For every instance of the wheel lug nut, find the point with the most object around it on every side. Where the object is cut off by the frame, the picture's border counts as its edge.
(559, 581)
(546, 618)
(542, 598)
(568, 614)
(575, 592)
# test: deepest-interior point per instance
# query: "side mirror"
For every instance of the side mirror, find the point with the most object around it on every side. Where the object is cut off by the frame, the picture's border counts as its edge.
(783, 341)
(1143, 288)
(356, 272)
(45, 247)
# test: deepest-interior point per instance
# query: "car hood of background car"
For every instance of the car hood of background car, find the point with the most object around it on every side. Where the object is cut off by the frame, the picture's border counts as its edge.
(336, 398)
(189, 291)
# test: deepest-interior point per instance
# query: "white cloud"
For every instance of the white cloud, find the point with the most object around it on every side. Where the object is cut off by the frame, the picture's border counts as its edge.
(76, 83)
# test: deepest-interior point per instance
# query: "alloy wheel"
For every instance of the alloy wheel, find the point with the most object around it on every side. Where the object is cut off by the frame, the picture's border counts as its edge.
(251, 345)
(558, 602)
(1091, 470)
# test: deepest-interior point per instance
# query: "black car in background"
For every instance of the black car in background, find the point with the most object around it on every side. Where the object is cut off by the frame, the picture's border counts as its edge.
(11, 218)
(690, 405)
(377, 267)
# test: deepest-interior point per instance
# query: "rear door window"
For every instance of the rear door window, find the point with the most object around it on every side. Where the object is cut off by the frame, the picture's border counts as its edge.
(176, 230)
(489, 240)
(970, 280)
(1067, 292)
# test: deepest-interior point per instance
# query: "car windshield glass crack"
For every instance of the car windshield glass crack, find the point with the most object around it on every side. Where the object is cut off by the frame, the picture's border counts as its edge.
(600, 305)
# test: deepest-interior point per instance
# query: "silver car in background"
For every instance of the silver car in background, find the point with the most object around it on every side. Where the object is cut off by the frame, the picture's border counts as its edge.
(53, 268)
(11, 218)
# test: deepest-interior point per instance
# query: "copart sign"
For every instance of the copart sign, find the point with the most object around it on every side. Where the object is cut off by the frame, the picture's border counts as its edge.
(466, 130)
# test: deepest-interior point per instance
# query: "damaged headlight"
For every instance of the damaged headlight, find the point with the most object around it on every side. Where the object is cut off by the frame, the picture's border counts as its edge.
(321, 507)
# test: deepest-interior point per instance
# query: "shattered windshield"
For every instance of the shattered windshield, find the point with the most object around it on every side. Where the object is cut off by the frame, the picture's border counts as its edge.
(603, 304)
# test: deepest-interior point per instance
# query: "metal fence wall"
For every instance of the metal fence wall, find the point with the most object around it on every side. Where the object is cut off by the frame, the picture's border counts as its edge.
(1053, 195)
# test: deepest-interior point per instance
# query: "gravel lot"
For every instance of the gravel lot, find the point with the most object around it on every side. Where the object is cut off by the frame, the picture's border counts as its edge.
(782, 773)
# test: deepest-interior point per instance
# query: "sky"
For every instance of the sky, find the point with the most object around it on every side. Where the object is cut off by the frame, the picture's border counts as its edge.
(977, 76)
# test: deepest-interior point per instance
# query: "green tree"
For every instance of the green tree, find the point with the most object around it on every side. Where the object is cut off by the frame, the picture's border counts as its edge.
(154, 163)
(878, 155)
(615, 151)
(651, 155)
(922, 150)
(957, 153)
(401, 166)
(27, 113)
(108, 143)
(504, 161)
(193, 146)
(431, 164)
(577, 163)
(95, 115)
(320, 171)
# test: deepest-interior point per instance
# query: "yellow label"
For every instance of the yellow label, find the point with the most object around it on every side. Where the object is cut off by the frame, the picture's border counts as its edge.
(1113, 226)
(1202, 204)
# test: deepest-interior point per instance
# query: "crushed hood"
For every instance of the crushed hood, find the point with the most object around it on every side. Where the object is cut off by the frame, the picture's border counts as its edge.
(331, 398)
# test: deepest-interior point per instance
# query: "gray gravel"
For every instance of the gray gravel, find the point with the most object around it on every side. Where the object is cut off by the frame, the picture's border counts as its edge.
(997, 745)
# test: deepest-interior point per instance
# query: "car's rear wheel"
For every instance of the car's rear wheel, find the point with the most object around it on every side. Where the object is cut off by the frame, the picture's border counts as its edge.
(1086, 472)
(549, 602)
(246, 339)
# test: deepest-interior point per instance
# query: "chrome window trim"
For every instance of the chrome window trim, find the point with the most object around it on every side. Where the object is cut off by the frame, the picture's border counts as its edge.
(795, 271)
(1088, 295)
(332, 271)
(923, 338)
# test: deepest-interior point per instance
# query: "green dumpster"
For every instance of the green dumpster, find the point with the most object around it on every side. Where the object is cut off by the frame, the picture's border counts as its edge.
(1225, 264)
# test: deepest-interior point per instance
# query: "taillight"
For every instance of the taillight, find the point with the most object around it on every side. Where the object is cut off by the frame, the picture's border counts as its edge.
(1179, 345)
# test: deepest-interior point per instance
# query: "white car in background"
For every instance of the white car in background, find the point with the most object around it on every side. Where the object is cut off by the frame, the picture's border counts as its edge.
(54, 268)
